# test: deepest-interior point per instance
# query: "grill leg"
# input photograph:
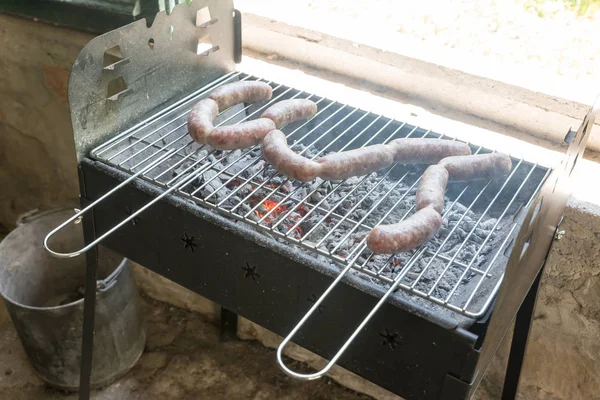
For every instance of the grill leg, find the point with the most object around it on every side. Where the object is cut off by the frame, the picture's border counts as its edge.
(89, 308)
(518, 346)
(229, 321)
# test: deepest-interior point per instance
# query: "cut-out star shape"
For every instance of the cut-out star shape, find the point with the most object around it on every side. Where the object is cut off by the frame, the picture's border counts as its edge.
(390, 339)
(129, 211)
(313, 299)
(188, 242)
(251, 272)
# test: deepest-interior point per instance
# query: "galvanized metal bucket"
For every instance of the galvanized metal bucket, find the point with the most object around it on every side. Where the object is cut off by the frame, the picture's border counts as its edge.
(44, 296)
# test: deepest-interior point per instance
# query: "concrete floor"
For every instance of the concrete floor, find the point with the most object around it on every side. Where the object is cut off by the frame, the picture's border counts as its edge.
(183, 360)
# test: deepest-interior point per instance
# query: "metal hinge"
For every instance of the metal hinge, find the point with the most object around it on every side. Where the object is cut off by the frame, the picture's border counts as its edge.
(237, 36)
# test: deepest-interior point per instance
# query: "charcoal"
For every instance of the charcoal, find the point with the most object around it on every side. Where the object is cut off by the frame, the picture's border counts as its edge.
(243, 208)
(325, 205)
(183, 168)
(254, 169)
(488, 225)
(288, 188)
(200, 154)
(368, 202)
(238, 167)
(193, 185)
(316, 197)
(299, 194)
(212, 188)
(277, 180)
(210, 175)
(233, 157)
(244, 190)
(254, 217)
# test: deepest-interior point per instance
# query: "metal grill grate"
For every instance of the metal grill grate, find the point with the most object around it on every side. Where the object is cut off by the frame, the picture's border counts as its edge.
(460, 269)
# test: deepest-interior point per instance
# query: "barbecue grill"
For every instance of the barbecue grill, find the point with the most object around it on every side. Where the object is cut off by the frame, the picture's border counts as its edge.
(423, 324)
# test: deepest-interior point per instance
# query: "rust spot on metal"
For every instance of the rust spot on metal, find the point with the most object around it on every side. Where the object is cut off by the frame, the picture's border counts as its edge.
(56, 79)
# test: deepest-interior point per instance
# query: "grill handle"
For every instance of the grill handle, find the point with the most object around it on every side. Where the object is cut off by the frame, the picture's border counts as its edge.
(365, 321)
(76, 218)
(237, 36)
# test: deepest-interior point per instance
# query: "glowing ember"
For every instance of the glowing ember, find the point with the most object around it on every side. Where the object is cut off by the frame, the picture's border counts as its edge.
(272, 208)
(269, 205)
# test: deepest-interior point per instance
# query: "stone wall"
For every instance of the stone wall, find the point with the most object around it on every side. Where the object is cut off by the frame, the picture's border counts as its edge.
(37, 170)
(37, 159)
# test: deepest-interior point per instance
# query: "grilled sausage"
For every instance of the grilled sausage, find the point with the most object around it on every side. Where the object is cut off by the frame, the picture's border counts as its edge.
(200, 120)
(240, 136)
(426, 151)
(288, 111)
(405, 235)
(240, 92)
(481, 166)
(372, 158)
(432, 188)
(276, 151)
(357, 162)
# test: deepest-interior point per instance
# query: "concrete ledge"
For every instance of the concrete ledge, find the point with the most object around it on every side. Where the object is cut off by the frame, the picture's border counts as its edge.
(534, 117)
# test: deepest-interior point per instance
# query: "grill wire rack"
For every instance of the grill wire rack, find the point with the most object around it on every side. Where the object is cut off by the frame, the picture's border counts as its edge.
(240, 185)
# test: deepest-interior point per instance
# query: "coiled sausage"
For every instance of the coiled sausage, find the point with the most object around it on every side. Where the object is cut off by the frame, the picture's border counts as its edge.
(245, 134)
(288, 111)
(432, 188)
(356, 162)
(405, 235)
(277, 152)
(240, 136)
(426, 151)
(231, 94)
(200, 120)
(480, 166)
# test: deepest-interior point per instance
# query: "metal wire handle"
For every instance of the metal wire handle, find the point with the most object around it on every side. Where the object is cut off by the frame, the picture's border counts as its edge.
(333, 361)
(79, 214)
(365, 321)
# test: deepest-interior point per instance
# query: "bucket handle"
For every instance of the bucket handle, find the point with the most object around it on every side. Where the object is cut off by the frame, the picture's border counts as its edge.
(104, 285)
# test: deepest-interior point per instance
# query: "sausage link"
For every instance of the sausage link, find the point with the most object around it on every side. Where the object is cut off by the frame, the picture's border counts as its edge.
(405, 235)
(432, 188)
(481, 166)
(240, 136)
(200, 120)
(426, 151)
(363, 161)
(287, 111)
(240, 92)
(276, 151)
